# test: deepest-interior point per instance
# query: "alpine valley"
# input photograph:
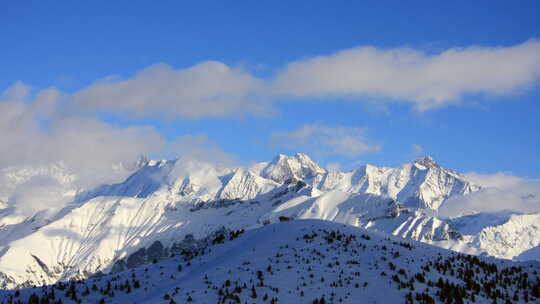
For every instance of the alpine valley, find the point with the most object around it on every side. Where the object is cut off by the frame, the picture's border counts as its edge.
(212, 220)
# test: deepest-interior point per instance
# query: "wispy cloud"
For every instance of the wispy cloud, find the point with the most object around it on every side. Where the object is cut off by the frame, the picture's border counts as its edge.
(326, 140)
(499, 180)
(417, 150)
(199, 148)
(502, 192)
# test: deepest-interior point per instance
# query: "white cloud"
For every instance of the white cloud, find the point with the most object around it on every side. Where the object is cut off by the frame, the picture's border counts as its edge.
(214, 89)
(36, 133)
(39, 193)
(410, 75)
(499, 180)
(85, 145)
(321, 139)
(208, 89)
(502, 192)
(19, 91)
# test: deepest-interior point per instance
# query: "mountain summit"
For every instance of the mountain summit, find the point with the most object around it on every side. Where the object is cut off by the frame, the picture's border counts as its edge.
(298, 167)
(426, 161)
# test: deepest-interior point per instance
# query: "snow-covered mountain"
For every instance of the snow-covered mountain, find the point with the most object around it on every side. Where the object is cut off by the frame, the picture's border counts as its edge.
(167, 201)
(303, 261)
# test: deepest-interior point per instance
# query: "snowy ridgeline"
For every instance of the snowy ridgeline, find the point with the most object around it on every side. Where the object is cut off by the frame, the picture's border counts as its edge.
(304, 261)
(154, 212)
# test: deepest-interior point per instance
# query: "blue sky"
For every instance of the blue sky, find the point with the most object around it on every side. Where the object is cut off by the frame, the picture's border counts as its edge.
(481, 125)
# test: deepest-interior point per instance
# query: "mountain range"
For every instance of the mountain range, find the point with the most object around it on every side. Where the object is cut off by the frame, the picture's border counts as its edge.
(167, 205)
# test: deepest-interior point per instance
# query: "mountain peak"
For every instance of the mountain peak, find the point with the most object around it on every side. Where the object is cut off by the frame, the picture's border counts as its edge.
(299, 166)
(426, 161)
(299, 157)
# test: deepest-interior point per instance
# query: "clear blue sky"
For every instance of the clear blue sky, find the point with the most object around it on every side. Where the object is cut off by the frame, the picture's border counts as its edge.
(71, 44)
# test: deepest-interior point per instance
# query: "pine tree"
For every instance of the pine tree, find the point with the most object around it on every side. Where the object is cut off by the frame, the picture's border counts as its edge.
(253, 292)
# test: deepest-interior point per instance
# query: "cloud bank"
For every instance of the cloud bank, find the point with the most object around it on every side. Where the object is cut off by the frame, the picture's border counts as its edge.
(406, 75)
(33, 135)
(48, 153)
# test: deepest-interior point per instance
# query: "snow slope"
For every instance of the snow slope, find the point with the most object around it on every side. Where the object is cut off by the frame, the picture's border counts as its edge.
(529, 255)
(303, 261)
(169, 200)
